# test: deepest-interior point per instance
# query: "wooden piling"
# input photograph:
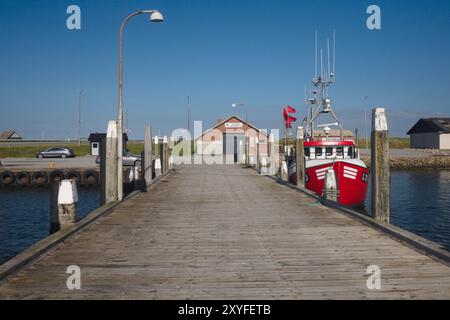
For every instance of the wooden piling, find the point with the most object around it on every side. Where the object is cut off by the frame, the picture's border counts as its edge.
(102, 175)
(300, 157)
(273, 164)
(62, 212)
(148, 157)
(247, 153)
(165, 155)
(380, 166)
(111, 163)
(257, 164)
(54, 212)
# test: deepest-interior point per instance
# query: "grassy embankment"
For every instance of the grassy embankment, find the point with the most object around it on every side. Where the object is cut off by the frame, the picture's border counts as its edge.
(18, 151)
(394, 143)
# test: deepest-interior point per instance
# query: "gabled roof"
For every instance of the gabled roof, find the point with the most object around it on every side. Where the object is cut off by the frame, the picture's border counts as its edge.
(228, 119)
(9, 134)
(425, 125)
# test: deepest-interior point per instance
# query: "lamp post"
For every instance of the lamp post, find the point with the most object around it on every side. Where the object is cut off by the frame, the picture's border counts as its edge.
(155, 16)
(235, 105)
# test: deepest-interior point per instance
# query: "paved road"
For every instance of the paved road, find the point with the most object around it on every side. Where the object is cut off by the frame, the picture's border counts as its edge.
(86, 162)
(224, 232)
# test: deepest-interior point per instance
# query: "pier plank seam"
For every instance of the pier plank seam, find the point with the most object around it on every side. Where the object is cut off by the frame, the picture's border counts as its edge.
(213, 232)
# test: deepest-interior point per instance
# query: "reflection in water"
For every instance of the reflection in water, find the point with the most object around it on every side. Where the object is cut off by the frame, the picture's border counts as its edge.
(25, 216)
(420, 203)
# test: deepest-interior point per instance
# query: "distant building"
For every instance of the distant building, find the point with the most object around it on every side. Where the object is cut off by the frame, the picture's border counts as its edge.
(96, 139)
(10, 135)
(227, 139)
(430, 133)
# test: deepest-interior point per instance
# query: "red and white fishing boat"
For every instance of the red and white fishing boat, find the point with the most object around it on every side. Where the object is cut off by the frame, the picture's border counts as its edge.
(327, 149)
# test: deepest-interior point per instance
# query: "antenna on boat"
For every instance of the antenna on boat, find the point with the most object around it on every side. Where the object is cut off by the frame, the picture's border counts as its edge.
(321, 64)
(334, 52)
(316, 75)
(328, 54)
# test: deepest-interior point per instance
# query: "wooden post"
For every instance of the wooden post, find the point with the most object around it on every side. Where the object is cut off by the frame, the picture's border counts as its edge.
(165, 155)
(111, 163)
(54, 212)
(102, 154)
(148, 157)
(158, 164)
(300, 158)
(257, 164)
(161, 156)
(380, 166)
(247, 153)
(272, 155)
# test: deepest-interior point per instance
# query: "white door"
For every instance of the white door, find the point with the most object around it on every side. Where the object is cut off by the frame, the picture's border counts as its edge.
(94, 148)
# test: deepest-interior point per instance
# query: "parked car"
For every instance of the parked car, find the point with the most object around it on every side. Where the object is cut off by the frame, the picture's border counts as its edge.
(56, 152)
(128, 160)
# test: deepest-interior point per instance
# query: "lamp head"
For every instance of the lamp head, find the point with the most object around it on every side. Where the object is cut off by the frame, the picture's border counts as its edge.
(156, 16)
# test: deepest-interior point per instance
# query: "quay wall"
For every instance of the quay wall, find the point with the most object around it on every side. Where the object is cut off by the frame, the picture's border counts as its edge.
(404, 163)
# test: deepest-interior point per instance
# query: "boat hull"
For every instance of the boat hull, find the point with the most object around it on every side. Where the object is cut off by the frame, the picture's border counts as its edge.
(351, 174)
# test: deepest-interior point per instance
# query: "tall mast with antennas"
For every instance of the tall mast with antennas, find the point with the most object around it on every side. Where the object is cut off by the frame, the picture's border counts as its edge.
(328, 54)
(321, 103)
(334, 52)
(315, 57)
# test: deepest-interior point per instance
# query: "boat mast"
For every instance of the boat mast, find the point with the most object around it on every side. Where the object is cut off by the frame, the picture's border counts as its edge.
(320, 103)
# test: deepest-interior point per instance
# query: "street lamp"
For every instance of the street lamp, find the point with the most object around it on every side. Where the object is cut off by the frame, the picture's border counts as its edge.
(155, 16)
(235, 105)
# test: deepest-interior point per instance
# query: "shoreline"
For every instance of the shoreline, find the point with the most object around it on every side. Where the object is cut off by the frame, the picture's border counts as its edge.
(409, 163)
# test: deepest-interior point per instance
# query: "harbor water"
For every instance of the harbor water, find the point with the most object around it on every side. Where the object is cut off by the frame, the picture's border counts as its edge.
(25, 216)
(420, 203)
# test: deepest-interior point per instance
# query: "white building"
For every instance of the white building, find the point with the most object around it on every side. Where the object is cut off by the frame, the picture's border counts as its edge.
(430, 133)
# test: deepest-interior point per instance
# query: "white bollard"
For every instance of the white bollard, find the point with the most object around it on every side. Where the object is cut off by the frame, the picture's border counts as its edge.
(263, 168)
(157, 167)
(131, 175)
(67, 202)
(284, 171)
(330, 189)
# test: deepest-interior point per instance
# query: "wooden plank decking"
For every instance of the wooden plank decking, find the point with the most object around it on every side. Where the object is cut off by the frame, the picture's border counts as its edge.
(224, 232)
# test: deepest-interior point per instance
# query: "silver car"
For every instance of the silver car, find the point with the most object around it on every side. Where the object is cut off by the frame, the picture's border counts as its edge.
(128, 159)
(56, 152)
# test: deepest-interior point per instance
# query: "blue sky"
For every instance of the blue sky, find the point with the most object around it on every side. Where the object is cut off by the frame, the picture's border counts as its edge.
(257, 52)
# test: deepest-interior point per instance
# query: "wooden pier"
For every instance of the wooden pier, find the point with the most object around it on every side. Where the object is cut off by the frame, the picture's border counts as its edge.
(225, 232)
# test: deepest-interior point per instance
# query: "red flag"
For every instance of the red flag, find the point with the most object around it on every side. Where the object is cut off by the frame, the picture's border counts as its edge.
(289, 121)
(285, 114)
(287, 118)
(291, 110)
